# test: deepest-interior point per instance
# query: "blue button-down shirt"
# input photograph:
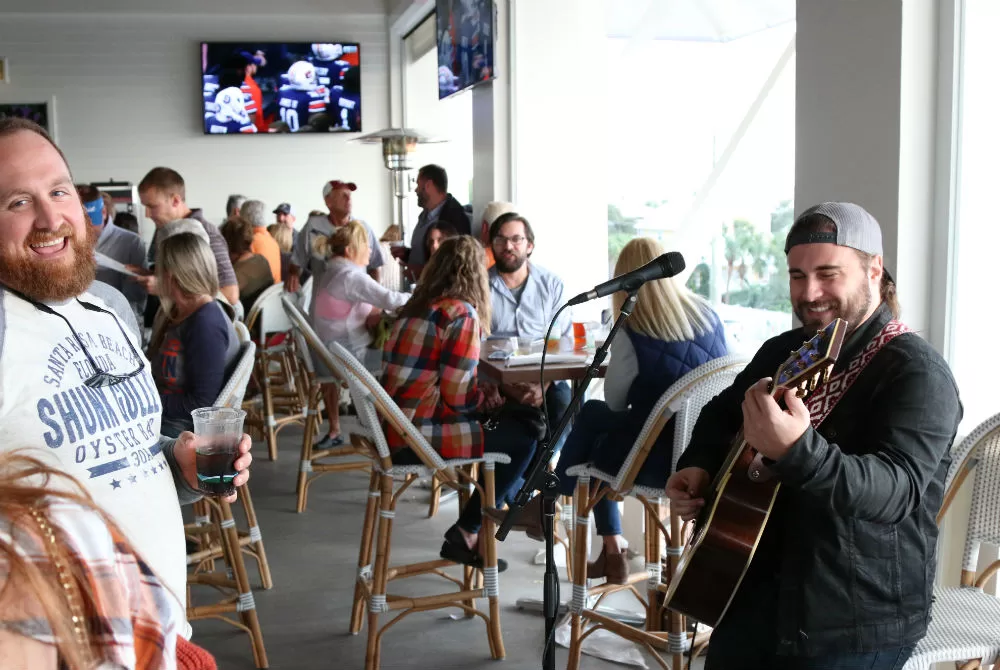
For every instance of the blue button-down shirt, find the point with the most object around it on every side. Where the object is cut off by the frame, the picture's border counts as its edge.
(542, 296)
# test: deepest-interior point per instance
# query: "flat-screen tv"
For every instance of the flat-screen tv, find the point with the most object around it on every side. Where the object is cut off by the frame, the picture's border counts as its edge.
(280, 87)
(465, 43)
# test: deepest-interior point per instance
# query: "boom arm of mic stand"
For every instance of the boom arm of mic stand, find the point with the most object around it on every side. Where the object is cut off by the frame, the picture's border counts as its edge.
(536, 478)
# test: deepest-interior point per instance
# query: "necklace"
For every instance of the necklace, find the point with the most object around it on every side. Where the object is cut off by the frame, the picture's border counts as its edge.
(70, 587)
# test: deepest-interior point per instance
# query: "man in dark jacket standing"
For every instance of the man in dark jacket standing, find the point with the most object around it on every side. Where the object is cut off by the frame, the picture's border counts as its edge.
(843, 573)
(436, 205)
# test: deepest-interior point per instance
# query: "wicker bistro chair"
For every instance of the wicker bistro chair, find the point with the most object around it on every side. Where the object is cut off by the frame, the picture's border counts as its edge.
(384, 492)
(215, 530)
(311, 465)
(682, 401)
(965, 620)
(276, 372)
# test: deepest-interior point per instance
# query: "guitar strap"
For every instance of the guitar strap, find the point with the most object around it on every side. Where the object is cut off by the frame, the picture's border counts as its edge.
(826, 397)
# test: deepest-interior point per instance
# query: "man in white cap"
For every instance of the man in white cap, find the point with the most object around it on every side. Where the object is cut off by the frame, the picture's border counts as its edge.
(843, 572)
(337, 195)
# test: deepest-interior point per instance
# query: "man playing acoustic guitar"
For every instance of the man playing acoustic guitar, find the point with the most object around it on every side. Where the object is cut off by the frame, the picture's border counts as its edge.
(843, 572)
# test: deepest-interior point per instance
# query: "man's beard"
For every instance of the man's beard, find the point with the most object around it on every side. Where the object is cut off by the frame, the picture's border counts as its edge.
(853, 311)
(44, 280)
(421, 200)
(505, 265)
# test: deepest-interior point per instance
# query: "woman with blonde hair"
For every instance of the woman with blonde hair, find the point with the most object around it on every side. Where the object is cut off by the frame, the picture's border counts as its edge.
(430, 371)
(348, 304)
(73, 592)
(671, 331)
(192, 355)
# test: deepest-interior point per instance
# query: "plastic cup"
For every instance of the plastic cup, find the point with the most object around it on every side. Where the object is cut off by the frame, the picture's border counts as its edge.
(219, 430)
(528, 345)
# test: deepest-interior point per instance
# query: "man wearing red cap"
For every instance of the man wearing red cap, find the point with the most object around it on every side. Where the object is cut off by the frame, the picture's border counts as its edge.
(337, 195)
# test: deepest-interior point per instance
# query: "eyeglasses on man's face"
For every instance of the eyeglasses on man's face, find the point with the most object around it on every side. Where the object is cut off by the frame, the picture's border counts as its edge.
(516, 240)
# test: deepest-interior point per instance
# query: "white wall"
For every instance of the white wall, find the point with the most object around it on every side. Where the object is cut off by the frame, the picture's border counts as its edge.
(128, 95)
(559, 165)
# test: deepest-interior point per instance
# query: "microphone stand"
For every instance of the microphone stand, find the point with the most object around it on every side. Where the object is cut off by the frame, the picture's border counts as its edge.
(542, 479)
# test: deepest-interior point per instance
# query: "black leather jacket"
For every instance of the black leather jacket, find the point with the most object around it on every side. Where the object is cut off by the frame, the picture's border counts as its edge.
(851, 543)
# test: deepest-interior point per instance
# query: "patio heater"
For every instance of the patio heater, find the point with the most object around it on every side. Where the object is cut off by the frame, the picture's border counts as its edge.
(398, 146)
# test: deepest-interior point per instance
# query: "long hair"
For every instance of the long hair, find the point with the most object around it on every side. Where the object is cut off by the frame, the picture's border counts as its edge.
(457, 270)
(817, 223)
(191, 263)
(238, 234)
(350, 236)
(282, 235)
(27, 483)
(666, 309)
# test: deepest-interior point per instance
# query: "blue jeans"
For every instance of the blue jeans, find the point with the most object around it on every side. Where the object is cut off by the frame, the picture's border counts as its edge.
(591, 426)
(557, 399)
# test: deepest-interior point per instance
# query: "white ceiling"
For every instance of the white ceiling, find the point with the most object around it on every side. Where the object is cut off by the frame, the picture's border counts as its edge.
(694, 20)
(196, 7)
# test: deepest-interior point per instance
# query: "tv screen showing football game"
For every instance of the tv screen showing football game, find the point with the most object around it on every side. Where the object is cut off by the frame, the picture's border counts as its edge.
(281, 87)
(465, 44)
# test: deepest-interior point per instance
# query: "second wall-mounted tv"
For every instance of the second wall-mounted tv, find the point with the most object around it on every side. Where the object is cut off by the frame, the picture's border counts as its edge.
(465, 43)
(280, 87)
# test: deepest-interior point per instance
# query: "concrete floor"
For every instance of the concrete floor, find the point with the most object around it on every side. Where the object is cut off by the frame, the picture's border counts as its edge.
(313, 558)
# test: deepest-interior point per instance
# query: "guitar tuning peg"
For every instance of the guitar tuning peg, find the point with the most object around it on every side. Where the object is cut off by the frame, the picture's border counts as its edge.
(802, 389)
(826, 372)
(813, 383)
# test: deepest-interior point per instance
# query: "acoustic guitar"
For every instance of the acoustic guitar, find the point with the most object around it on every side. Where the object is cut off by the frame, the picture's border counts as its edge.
(739, 501)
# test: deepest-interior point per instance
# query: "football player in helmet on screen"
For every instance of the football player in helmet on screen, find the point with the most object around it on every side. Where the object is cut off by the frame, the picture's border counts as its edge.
(231, 115)
(326, 59)
(302, 101)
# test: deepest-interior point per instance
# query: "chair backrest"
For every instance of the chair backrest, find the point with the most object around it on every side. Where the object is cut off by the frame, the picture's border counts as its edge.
(683, 401)
(984, 516)
(369, 397)
(242, 332)
(292, 310)
(373, 399)
(267, 314)
(963, 461)
(236, 386)
(305, 294)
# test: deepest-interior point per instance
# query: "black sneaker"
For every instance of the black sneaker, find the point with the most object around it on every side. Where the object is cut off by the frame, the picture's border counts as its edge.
(456, 550)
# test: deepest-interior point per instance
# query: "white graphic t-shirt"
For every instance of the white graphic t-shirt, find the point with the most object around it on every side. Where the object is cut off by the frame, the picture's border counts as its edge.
(107, 438)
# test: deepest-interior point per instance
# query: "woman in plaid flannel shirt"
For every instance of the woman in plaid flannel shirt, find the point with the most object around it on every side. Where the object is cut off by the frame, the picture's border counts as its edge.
(431, 359)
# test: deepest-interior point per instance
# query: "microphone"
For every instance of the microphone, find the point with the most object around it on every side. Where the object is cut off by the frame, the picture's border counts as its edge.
(667, 265)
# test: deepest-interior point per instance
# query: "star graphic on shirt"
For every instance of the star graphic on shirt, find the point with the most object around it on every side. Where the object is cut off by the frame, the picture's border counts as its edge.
(132, 479)
(115, 484)
(145, 473)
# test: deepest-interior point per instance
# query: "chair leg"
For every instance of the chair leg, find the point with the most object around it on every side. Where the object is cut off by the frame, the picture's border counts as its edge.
(257, 540)
(270, 435)
(305, 461)
(246, 607)
(365, 551)
(568, 520)
(678, 625)
(579, 541)
(380, 579)
(435, 504)
(491, 577)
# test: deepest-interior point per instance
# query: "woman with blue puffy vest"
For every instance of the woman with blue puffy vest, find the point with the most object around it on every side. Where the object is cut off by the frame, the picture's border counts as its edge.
(671, 332)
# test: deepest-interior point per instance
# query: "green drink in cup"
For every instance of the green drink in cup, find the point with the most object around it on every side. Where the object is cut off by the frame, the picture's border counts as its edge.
(219, 430)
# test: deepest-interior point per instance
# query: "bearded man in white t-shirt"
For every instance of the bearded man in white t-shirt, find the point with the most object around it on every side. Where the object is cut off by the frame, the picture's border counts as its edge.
(74, 385)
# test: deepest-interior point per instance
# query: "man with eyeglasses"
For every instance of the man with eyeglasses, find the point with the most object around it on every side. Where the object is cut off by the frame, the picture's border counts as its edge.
(74, 386)
(524, 298)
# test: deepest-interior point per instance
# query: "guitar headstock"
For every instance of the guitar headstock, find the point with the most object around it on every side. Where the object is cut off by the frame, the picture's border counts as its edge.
(811, 363)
